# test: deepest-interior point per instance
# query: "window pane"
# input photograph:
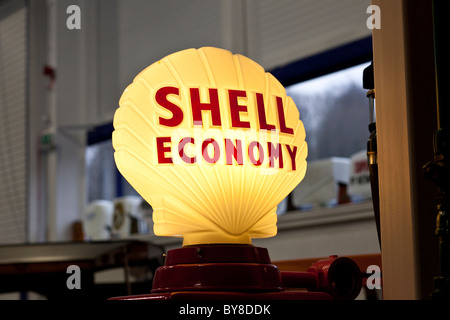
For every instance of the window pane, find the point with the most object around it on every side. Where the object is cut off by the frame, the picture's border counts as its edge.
(100, 171)
(335, 112)
(102, 174)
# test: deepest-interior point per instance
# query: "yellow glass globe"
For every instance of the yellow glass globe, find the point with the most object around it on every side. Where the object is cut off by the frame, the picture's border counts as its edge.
(213, 143)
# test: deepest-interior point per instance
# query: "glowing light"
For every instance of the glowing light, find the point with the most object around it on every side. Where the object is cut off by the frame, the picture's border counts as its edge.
(213, 143)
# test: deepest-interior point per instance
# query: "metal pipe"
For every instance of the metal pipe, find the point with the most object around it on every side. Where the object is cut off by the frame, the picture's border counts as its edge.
(369, 83)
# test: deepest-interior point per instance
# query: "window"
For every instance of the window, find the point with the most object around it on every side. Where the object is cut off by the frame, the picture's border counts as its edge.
(100, 171)
(335, 112)
(103, 180)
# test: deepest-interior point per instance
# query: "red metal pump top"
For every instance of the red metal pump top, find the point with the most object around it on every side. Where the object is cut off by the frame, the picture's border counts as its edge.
(246, 272)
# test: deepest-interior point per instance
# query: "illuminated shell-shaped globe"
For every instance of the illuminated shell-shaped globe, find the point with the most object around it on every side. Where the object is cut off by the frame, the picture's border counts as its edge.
(213, 143)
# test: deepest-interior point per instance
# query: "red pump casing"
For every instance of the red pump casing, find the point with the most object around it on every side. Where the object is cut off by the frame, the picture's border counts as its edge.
(245, 272)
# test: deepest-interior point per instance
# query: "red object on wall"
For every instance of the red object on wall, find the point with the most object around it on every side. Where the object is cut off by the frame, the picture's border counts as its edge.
(246, 272)
(51, 73)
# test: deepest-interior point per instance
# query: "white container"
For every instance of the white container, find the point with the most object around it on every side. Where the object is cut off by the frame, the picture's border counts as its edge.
(359, 187)
(97, 220)
(127, 217)
(320, 187)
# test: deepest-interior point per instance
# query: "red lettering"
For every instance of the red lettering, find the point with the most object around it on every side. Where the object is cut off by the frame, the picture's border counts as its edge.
(236, 108)
(183, 156)
(262, 113)
(198, 107)
(361, 166)
(292, 154)
(177, 113)
(235, 151)
(160, 141)
(281, 117)
(275, 152)
(205, 153)
(251, 156)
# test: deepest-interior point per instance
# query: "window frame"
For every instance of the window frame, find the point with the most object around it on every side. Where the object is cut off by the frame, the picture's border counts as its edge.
(336, 59)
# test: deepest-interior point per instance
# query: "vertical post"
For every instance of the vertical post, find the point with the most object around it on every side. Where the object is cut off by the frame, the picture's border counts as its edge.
(405, 89)
(368, 83)
(394, 165)
(37, 90)
(442, 60)
(438, 170)
(51, 159)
